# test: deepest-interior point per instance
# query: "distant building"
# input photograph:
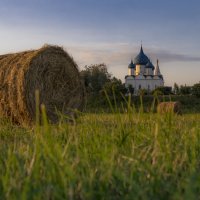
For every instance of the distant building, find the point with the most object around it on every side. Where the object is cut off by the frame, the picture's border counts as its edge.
(143, 75)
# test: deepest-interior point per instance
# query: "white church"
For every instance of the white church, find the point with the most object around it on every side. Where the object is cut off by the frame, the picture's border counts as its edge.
(143, 75)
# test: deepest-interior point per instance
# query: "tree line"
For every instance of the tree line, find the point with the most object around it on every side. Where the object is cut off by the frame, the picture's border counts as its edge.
(100, 83)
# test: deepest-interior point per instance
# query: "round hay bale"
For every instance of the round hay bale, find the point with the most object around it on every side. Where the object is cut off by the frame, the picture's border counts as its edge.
(167, 107)
(52, 72)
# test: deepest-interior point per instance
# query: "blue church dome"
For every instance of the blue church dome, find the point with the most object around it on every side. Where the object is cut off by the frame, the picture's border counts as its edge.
(150, 65)
(141, 58)
(131, 65)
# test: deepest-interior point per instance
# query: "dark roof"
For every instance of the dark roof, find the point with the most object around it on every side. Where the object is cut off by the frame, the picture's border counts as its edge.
(150, 65)
(131, 65)
(141, 58)
(148, 75)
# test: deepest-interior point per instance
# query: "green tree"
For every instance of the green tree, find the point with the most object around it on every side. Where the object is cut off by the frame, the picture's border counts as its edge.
(95, 77)
(196, 89)
(185, 90)
(130, 90)
(176, 88)
(114, 88)
(166, 90)
(142, 92)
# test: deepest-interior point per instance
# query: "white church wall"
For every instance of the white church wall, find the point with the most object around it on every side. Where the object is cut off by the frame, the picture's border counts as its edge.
(140, 77)
(148, 71)
(130, 81)
(129, 71)
(137, 70)
(150, 85)
(149, 77)
(155, 77)
(158, 83)
(140, 69)
(140, 82)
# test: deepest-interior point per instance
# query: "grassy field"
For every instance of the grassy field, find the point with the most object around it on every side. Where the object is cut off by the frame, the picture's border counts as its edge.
(118, 155)
(103, 156)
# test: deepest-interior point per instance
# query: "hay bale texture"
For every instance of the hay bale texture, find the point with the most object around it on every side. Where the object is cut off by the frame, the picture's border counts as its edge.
(167, 107)
(51, 71)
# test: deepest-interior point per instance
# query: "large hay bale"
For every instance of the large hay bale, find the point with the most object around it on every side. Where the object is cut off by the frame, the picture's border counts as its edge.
(51, 71)
(167, 107)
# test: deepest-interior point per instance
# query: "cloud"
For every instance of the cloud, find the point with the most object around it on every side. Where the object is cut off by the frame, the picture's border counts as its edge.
(120, 54)
(103, 53)
(169, 56)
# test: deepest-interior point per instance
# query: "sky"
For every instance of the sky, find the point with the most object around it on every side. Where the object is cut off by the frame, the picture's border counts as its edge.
(110, 32)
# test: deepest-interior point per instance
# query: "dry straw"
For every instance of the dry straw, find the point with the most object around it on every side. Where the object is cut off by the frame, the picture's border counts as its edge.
(167, 107)
(51, 71)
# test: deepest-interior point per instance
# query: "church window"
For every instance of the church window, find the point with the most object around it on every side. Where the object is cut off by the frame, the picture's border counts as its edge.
(139, 87)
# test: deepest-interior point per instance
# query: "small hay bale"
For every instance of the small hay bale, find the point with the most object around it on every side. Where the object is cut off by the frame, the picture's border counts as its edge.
(167, 107)
(52, 72)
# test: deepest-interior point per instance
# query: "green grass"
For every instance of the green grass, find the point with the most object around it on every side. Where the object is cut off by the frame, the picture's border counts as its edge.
(103, 156)
(99, 103)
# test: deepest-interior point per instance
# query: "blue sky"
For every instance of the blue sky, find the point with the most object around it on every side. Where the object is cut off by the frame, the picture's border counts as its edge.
(109, 31)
